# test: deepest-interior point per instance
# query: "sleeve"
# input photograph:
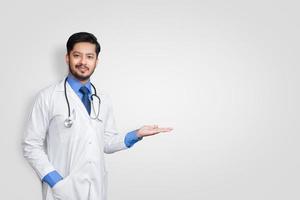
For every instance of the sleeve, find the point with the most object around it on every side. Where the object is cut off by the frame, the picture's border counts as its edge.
(131, 138)
(52, 178)
(113, 141)
(34, 137)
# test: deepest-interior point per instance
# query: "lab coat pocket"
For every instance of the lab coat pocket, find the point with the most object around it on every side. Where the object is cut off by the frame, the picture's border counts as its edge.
(62, 189)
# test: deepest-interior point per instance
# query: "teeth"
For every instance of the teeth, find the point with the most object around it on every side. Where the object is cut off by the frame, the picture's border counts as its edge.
(82, 68)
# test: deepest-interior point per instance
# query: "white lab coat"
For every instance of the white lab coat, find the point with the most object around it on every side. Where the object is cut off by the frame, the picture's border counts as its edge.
(77, 153)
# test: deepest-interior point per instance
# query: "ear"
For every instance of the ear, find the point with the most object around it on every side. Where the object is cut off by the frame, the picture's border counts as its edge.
(67, 58)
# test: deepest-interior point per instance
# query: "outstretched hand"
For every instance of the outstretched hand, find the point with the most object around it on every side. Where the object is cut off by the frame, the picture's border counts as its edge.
(149, 130)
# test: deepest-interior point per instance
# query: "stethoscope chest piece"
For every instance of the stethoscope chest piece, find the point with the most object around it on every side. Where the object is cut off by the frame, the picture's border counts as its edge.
(68, 122)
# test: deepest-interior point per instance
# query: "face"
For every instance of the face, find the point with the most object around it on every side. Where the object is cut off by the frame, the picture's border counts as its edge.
(82, 60)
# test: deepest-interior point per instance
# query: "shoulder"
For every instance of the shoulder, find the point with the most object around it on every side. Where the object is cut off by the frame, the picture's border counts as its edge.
(105, 98)
(104, 95)
(45, 94)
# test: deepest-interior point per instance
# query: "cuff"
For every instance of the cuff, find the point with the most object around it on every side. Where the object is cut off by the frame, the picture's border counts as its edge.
(52, 178)
(131, 138)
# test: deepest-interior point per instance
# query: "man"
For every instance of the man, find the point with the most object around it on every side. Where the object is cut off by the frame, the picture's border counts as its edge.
(65, 138)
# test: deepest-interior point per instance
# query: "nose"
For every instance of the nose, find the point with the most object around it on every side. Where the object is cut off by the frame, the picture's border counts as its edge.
(83, 60)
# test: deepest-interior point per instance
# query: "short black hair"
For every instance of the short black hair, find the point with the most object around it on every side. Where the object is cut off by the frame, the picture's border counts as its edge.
(82, 37)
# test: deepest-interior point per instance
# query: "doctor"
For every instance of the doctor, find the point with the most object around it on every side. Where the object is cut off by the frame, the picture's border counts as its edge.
(70, 128)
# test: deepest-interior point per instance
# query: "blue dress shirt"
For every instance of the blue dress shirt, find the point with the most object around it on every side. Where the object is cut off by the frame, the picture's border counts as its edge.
(130, 139)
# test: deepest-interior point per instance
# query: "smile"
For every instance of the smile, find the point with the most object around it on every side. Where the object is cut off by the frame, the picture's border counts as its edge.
(82, 68)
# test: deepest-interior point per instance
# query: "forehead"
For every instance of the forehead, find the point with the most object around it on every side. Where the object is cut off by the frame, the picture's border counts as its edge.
(84, 47)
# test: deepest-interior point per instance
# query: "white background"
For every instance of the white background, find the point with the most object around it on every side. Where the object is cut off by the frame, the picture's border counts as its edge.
(223, 74)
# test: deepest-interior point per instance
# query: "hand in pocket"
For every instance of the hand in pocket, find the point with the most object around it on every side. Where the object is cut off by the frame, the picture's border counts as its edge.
(61, 189)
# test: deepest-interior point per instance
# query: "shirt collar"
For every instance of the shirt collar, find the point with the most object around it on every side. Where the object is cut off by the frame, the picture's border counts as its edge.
(76, 84)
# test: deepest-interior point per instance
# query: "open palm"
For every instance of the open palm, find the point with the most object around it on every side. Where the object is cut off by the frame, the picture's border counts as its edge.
(149, 130)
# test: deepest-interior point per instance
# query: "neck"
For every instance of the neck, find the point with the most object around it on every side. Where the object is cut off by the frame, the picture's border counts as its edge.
(83, 81)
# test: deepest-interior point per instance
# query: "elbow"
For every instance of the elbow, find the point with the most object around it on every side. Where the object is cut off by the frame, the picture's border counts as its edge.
(108, 150)
(26, 150)
(30, 150)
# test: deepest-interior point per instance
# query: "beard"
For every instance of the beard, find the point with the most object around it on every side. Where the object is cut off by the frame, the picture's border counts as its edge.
(79, 76)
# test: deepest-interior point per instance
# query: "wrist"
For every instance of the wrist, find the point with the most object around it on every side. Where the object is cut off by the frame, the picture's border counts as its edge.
(138, 134)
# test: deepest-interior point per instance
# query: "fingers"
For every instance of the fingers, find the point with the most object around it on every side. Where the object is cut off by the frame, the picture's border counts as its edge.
(160, 130)
(156, 127)
(164, 129)
(148, 130)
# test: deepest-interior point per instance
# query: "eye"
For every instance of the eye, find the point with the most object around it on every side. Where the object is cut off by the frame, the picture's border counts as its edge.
(90, 57)
(76, 55)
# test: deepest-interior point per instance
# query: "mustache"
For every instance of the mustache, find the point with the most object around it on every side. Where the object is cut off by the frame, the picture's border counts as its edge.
(80, 65)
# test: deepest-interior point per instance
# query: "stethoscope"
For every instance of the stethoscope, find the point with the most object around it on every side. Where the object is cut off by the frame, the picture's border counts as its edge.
(69, 121)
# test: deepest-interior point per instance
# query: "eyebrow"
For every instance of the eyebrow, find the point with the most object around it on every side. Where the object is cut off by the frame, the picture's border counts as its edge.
(85, 54)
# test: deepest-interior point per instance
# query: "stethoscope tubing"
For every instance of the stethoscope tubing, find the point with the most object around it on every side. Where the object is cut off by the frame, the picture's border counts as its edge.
(69, 120)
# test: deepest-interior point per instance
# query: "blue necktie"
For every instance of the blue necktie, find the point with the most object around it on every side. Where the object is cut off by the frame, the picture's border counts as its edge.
(85, 98)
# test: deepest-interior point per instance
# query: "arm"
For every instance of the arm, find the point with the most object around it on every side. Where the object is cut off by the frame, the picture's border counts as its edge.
(115, 142)
(34, 137)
